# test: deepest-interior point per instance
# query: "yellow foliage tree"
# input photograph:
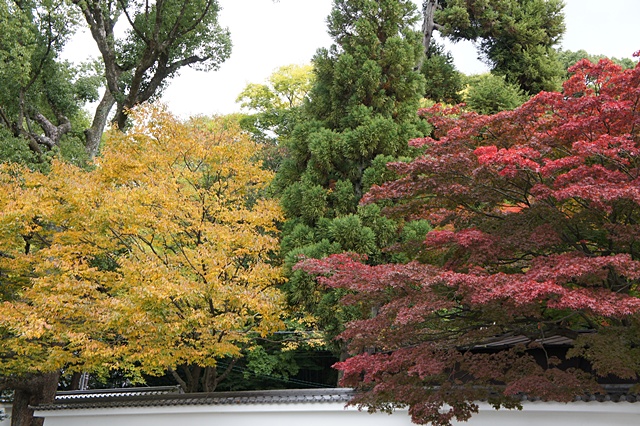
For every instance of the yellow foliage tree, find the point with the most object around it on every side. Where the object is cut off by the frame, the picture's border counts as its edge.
(157, 258)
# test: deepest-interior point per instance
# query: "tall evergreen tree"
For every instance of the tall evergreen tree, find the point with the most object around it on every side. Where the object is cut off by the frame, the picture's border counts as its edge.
(360, 114)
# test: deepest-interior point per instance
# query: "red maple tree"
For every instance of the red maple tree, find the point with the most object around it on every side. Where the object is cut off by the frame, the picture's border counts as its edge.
(536, 217)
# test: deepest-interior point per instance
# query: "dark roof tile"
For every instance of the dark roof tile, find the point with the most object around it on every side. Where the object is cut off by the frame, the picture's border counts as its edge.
(149, 397)
(138, 397)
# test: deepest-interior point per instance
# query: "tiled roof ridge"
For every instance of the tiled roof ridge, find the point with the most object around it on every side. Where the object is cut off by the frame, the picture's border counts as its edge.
(286, 396)
(105, 393)
(512, 338)
(613, 393)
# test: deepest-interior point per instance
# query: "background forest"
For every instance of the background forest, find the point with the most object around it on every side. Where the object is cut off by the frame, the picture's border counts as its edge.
(375, 216)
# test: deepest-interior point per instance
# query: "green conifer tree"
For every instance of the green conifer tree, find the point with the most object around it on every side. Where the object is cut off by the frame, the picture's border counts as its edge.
(444, 81)
(491, 93)
(361, 112)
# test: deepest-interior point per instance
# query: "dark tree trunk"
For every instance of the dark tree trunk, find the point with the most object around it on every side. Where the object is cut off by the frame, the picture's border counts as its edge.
(75, 381)
(30, 391)
(201, 379)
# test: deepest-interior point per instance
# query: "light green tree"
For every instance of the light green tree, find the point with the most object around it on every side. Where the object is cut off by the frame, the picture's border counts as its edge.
(490, 94)
(274, 107)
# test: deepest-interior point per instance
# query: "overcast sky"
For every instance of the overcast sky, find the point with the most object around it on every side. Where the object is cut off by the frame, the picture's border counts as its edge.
(267, 35)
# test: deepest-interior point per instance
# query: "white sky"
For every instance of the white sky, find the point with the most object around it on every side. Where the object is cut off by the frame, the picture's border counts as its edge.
(267, 35)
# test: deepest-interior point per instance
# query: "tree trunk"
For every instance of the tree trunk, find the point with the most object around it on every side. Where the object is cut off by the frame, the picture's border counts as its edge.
(94, 133)
(429, 8)
(344, 355)
(75, 381)
(201, 379)
(30, 391)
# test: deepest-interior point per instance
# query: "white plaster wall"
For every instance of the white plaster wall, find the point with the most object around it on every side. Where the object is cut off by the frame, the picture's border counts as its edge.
(5, 412)
(547, 414)
(231, 419)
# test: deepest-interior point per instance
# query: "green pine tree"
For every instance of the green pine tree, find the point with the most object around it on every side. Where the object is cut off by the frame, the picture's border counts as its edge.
(361, 112)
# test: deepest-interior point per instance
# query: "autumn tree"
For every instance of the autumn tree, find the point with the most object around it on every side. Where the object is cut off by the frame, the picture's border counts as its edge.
(535, 214)
(515, 37)
(361, 110)
(158, 259)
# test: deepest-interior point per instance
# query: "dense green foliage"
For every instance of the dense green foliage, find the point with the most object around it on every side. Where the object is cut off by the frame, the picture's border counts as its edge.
(41, 96)
(443, 82)
(361, 111)
(515, 37)
(490, 94)
(569, 58)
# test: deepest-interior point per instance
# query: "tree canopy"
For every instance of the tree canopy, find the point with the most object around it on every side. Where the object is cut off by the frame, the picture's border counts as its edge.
(275, 107)
(42, 94)
(490, 94)
(161, 38)
(535, 214)
(158, 258)
(515, 37)
(443, 82)
(569, 58)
